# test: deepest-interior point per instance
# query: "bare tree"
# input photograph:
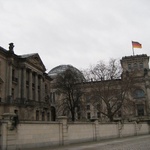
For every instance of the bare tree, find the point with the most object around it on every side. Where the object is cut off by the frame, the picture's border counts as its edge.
(108, 89)
(68, 86)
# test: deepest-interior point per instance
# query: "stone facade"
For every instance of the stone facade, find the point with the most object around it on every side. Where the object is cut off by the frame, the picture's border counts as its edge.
(138, 66)
(24, 86)
(27, 90)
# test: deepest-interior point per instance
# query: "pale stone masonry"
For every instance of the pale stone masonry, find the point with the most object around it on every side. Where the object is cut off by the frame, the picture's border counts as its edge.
(31, 134)
(22, 86)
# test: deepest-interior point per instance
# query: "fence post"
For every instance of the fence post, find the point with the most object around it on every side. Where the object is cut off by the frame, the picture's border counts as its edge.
(136, 128)
(63, 120)
(96, 130)
(7, 127)
(120, 127)
(4, 135)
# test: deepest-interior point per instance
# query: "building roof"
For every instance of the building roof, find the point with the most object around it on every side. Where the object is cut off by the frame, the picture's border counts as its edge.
(27, 55)
(61, 68)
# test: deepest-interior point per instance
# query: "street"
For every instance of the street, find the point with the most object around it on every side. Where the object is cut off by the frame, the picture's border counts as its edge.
(130, 143)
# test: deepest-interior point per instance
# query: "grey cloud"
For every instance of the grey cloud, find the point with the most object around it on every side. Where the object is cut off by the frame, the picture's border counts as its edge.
(73, 31)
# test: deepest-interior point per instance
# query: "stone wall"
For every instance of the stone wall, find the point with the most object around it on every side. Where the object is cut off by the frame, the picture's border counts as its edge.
(29, 134)
(108, 131)
(81, 132)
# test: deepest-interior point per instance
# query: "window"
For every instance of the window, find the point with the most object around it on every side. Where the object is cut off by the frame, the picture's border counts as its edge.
(33, 94)
(48, 116)
(39, 95)
(135, 65)
(37, 115)
(27, 92)
(88, 107)
(88, 115)
(43, 116)
(138, 93)
(14, 79)
(12, 93)
(141, 65)
(129, 66)
(140, 109)
(52, 97)
(79, 116)
(33, 80)
(98, 114)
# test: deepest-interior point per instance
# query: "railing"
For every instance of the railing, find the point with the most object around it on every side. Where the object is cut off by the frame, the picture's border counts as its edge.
(26, 102)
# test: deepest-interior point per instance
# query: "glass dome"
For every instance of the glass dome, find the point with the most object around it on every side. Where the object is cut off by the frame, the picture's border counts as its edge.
(61, 68)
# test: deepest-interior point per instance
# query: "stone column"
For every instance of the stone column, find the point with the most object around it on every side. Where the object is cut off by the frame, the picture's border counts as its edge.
(30, 85)
(24, 90)
(63, 121)
(36, 87)
(10, 81)
(147, 86)
(19, 83)
(41, 89)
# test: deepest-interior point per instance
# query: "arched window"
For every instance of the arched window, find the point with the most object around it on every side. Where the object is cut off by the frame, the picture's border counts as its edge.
(138, 93)
(135, 66)
(140, 110)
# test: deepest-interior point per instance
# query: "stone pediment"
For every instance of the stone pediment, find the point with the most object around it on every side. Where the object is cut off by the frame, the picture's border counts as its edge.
(36, 61)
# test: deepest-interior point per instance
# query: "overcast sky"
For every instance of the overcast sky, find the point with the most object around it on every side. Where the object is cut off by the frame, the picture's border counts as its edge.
(76, 32)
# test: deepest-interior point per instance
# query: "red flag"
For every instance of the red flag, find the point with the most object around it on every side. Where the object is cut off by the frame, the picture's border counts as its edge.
(136, 44)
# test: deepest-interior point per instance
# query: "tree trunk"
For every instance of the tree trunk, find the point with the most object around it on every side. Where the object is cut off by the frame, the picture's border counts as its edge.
(111, 118)
(72, 116)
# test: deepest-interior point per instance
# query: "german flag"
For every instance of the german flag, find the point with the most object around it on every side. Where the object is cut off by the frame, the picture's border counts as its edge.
(136, 44)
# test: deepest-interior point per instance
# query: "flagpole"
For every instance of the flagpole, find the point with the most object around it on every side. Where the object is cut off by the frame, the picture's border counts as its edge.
(132, 48)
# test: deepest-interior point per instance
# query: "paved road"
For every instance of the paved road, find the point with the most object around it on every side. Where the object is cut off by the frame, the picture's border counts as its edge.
(132, 143)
